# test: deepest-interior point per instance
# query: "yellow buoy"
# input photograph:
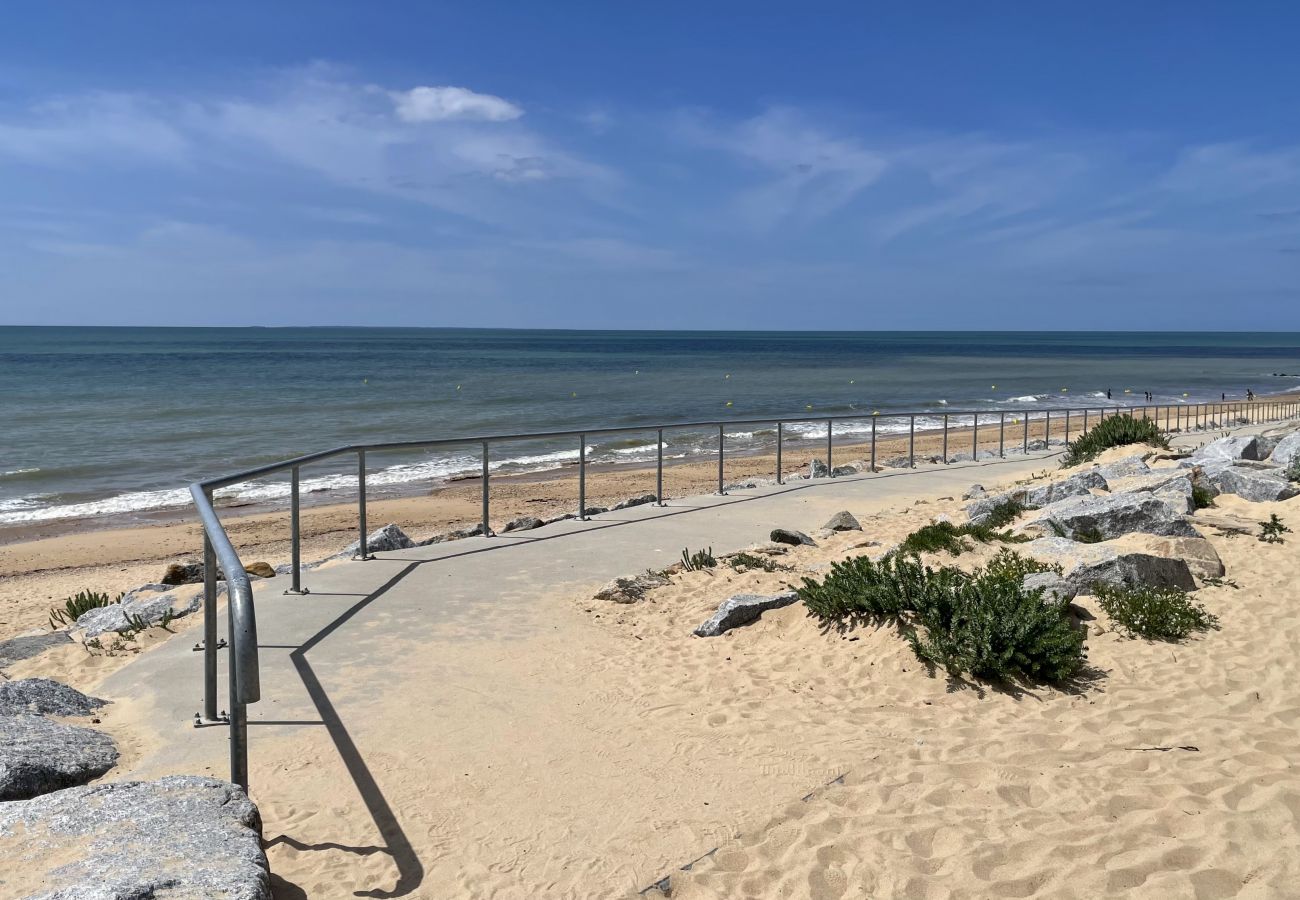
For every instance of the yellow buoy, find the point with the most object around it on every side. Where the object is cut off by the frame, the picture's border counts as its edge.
(809, 406)
(728, 402)
(875, 412)
(574, 394)
(993, 387)
(728, 375)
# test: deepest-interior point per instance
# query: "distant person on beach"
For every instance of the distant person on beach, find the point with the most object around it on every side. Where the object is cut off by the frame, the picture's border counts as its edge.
(1107, 393)
(1250, 395)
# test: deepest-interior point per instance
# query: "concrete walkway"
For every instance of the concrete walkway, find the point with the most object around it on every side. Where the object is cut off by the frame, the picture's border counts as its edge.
(335, 663)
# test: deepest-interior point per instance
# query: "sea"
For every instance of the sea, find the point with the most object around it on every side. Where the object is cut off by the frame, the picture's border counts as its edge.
(114, 423)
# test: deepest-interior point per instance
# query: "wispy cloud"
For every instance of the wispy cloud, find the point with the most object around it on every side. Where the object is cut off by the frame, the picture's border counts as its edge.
(445, 104)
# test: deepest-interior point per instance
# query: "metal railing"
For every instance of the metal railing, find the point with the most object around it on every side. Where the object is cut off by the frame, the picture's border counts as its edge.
(243, 671)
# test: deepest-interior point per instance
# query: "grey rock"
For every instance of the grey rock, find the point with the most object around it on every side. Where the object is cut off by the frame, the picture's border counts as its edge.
(818, 469)
(149, 609)
(1037, 445)
(843, 471)
(1114, 515)
(28, 645)
(1080, 484)
(843, 521)
(636, 501)
(790, 536)
(183, 573)
(974, 492)
(1086, 565)
(742, 609)
(1128, 467)
(1228, 449)
(179, 837)
(457, 535)
(390, 537)
(44, 697)
(595, 510)
(742, 485)
(1052, 585)
(631, 589)
(898, 462)
(38, 756)
(1253, 484)
(523, 523)
(1287, 449)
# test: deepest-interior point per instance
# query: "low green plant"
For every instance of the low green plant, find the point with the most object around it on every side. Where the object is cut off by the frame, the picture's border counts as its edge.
(1293, 469)
(1154, 613)
(78, 605)
(1271, 532)
(1116, 431)
(1004, 513)
(700, 559)
(1013, 566)
(1202, 497)
(745, 562)
(939, 536)
(982, 623)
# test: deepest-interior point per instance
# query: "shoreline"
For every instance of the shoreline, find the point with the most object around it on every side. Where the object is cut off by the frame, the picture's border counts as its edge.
(37, 572)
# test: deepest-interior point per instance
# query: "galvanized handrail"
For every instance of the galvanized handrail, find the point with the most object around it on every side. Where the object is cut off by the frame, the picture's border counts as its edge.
(244, 677)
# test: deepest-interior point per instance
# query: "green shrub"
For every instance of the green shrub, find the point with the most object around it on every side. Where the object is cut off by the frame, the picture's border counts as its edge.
(700, 559)
(1117, 431)
(1157, 614)
(1202, 497)
(983, 623)
(946, 536)
(1271, 532)
(1293, 470)
(78, 605)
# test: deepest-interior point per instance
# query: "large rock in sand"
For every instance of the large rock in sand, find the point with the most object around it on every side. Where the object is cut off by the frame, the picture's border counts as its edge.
(137, 609)
(38, 756)
(791, 537)
(1199, 554)
(1229, 449)
(390, 537)
(843, 521)
(181, 837)
(1111, 516)
(1080, 484)
(1127, 467)
(44, 697)
(742, 609)
(28, 645)
(1085, 565)
(1249, 483)
(1286, 450)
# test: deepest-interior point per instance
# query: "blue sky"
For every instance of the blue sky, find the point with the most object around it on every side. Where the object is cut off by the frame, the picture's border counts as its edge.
(669, 165)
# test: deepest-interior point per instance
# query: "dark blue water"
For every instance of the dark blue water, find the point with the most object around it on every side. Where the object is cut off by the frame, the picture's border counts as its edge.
(110, 421)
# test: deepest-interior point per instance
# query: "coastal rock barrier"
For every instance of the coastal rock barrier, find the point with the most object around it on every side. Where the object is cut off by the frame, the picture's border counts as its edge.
(179, 836)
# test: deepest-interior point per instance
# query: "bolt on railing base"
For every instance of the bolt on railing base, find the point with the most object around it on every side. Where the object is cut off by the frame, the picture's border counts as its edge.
(201, 646)
(200, 722)
(299, 592)
(360, 558)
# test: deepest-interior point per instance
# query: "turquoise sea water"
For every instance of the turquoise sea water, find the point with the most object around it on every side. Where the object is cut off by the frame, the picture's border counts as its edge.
(117, 421)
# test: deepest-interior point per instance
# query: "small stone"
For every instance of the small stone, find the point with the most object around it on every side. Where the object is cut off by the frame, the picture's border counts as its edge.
(842, 521)
(523, 523)
(791, 537)
(630, 589)
(183, 573)
(742, 609)
(260, 570)
(974, 492)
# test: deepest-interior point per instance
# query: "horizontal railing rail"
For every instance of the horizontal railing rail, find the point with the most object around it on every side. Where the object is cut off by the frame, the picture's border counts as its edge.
(243, 670)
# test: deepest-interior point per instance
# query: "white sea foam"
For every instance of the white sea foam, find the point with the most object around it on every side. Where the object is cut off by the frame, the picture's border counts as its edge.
(30, 471)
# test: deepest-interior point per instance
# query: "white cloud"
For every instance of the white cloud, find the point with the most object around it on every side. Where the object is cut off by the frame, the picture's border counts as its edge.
(446, 104)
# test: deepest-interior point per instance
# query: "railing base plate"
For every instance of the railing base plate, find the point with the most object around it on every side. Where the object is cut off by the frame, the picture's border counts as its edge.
(200, 722)
(201, 645)
(300, 591)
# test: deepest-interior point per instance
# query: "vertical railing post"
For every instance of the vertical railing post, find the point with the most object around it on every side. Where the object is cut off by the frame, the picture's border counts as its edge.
(210, 644)
(1067, 427)
(1025, 446)
(975, 437)
(363, 552)
(295, 532)
(1085, 420)
(830, 465)
(487, 518)
(1047, 430)
(1002, 435)
(873, 444)
(238, 711)
(582, 478)
(659, 467)
(911, 442)
(722, 450)
(780, 441)
(945, 439)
